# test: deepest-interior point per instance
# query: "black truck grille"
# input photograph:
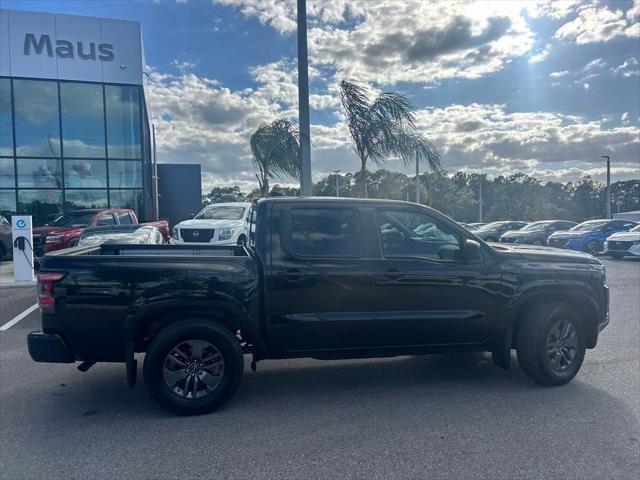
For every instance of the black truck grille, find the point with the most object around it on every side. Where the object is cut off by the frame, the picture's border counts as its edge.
(197, 235)
(619, 245)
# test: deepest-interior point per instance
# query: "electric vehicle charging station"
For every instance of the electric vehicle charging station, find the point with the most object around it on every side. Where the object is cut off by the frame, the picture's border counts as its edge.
(22, 234)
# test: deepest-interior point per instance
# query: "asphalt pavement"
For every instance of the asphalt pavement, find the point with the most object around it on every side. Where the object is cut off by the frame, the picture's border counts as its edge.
(406, 417)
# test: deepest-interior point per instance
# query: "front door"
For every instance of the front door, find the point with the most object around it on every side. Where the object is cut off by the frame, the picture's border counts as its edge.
(320, 280)
(426, 292)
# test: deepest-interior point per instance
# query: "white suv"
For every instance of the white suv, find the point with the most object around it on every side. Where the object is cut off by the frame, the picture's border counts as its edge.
(217, 224)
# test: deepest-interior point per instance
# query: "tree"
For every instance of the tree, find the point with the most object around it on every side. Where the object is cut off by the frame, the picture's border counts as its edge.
(276, 152)
(223, 194)
(384, 127)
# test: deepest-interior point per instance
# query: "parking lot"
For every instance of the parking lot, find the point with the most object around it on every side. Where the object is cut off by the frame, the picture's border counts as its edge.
(404, 417)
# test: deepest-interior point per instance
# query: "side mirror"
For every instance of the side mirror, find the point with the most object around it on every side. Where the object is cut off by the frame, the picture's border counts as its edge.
(471, 250)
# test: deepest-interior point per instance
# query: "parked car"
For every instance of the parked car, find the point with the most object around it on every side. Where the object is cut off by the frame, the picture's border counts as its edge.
(325, 278)
(536, 233)
(491, 232)
(64, 231)
(217, 224)
(623, 243)
(121, 234)
(589, 236)
(6, 243)
(475, 225)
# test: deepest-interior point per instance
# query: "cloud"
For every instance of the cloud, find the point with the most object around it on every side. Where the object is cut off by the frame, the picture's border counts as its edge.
(599, 24)
(541, 55)
(558, 74)
(387, 42)
(629, 68)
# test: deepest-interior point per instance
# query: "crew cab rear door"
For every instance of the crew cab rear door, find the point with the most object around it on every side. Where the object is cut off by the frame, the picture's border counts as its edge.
(320, 280)
(426, 292)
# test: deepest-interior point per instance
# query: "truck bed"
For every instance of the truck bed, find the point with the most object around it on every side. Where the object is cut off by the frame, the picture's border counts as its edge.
(110, 293)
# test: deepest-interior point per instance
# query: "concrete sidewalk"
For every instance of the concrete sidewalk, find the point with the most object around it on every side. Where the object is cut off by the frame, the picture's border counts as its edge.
(6, 276)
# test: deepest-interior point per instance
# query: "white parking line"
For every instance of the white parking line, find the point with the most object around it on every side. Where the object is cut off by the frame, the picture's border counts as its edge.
(17, 318)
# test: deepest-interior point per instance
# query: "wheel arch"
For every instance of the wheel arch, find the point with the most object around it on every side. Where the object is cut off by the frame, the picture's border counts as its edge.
(585, 306)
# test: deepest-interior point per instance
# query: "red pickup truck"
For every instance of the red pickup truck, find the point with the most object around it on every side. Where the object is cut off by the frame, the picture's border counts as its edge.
(64, 231)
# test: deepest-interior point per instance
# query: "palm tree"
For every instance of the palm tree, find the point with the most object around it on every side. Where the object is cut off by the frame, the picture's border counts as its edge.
(276, 152)
(384, 127)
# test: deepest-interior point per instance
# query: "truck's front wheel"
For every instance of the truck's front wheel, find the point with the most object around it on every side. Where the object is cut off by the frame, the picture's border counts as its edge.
(193, 366)
(550, 344)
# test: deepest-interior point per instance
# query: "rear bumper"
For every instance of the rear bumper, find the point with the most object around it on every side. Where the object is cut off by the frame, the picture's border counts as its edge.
(49, 348)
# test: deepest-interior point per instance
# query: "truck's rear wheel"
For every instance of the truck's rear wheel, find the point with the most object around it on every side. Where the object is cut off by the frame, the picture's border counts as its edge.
(193, 367)
(550, 344)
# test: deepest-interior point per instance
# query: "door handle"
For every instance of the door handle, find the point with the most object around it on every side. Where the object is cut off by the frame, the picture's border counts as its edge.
(292, 275)
(392, 275)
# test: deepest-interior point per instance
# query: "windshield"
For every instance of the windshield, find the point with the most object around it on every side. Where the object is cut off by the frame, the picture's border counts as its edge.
(590, 226)
(635, 229)
(80, 219)
(490, 226)
(221, 213)
(94, 238)
(535, 226)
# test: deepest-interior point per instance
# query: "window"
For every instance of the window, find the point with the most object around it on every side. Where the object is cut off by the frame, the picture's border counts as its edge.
(125, 219)
(82, 120)
(43, 205)
(85, 173)
(79, 199)
(36, 118)
(412, 234)
(221, 213)
(123, 121)
(106, 219)
(125, 174)
(6, 119)
(7, 202)
(131, 199)
(37, 173)
(324, 232)
(7, 175)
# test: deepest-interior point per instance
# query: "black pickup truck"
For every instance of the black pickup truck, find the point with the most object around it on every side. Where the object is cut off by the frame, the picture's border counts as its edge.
(323, 278)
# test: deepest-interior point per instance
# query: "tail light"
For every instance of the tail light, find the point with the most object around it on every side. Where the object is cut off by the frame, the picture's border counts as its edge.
(46, 300)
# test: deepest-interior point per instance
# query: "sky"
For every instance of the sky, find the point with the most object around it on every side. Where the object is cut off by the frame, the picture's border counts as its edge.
(541, 87)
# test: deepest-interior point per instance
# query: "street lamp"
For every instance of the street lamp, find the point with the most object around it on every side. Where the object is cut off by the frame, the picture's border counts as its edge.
(608, 185)
(337, 172)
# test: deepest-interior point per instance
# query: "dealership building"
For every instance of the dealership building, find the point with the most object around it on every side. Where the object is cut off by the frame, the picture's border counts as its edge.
(74, 129)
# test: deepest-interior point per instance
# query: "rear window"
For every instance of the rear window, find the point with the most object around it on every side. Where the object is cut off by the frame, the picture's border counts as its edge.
(324, 232)
(125, 219)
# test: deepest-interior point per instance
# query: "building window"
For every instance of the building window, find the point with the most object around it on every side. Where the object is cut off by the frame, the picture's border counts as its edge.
(131, 199)
(6, 118)
(39, 173)
(82, 120)
(42, 205)
(125, 174)
(79, 199)
(123, 121)
(7, 173)
(7, 202)
(85, 173)
(36, 118)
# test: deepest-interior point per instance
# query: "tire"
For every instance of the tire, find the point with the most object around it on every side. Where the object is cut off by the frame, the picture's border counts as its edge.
(593, 247)
(536, 338)
(221, 363)
(242, 240)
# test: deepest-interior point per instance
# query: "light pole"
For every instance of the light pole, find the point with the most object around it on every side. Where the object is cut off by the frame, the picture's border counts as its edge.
(303, 101)
(417, 180)
(608, 185)
(337, 172)
(480, 200)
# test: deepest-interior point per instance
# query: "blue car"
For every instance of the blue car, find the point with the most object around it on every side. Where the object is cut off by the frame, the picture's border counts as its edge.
(589, 236)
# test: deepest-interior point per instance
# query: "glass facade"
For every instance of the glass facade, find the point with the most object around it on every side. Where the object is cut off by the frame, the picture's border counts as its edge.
(72, 145)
